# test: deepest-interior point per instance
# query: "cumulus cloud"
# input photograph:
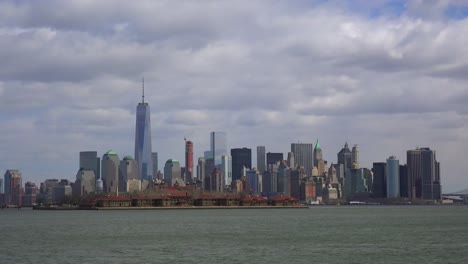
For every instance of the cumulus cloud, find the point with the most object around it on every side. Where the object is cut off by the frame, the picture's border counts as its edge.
(387, 75)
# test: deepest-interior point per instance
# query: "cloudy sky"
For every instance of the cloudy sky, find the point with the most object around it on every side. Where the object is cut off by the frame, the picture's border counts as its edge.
(386, 75)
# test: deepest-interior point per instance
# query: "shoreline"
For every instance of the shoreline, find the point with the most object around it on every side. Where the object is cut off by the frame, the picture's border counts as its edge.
(168, 208)
(143, 208)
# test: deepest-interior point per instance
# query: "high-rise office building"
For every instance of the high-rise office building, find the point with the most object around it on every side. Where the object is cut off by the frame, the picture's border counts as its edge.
(218, 146)
(143, 154)
(404, 181)
(284, 179)
(355, 183)
(295, 179)
(110, 171)
(214, 182)
(319, 163)
(393, 177)
(254, 181)
(340, 172)
(303, 156)
(128, 170)
(291, 160)
(189, 161)
(201, 169)
(172, 173)
(345, 157)
(209, 167)
(1, 186)
(226, 169)
(261, 165)
(355, 155)
(332, 174)
(273, 158)
(30, 193)
(154, 157)
(85, 183)
(424, 174)
(13, 187)
(241, 157)
(379, 187)
(270, 180)
(89, 160)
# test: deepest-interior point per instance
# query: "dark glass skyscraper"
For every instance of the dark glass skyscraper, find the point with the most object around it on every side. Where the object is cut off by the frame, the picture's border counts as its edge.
(261, 166)
(379, 187)
(143, 140)
(272, 158)
(241, 157)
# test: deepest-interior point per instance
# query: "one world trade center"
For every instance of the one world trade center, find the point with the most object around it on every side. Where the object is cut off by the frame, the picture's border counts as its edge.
(143, 139)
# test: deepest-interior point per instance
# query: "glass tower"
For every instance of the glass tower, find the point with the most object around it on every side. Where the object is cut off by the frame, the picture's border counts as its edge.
(218, 144)
(393, 177)
(143, 154)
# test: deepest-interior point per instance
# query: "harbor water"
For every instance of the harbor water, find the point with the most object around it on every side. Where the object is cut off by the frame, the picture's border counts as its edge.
(334, 234)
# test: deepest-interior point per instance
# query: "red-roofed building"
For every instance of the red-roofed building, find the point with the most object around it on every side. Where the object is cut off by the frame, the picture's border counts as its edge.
(252, 200)
(284, 200)
(217, 200)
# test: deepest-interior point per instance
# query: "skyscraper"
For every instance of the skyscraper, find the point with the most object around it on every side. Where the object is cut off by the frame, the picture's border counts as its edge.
(218, 146)
(172, 173)
(393, 177)
(85, 183)
(128, 170)
(30, 192)
(13, 187)
(261, 159)
(89, 160)
(284, 178)
(154, 156)
(143, 153)
(201, 169)
(355, 183)
(404, 181)
(273, 158)
(254, 181)
(241, 157)
(355, 155)
(188, 161)
(303, 156)
(291, 161)
(379, 187)
(110, 171)
(345, 157)
(226, 169)
(423, 174)
(318, 159)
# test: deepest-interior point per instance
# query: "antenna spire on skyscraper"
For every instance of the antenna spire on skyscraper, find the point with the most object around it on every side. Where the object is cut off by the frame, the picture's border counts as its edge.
(143, 88)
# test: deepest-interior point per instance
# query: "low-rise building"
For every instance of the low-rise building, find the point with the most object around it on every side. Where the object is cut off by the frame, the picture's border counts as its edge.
(254, 200)
(284, 200)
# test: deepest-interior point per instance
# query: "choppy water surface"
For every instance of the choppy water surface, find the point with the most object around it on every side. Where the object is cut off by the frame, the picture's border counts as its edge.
(383, 234)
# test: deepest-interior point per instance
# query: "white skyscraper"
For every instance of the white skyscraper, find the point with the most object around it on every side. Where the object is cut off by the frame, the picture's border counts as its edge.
(226, 169)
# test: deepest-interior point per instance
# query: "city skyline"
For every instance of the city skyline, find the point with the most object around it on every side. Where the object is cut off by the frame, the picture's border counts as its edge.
(388, 77)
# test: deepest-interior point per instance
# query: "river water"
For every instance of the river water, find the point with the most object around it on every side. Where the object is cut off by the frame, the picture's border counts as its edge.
(336, 234)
